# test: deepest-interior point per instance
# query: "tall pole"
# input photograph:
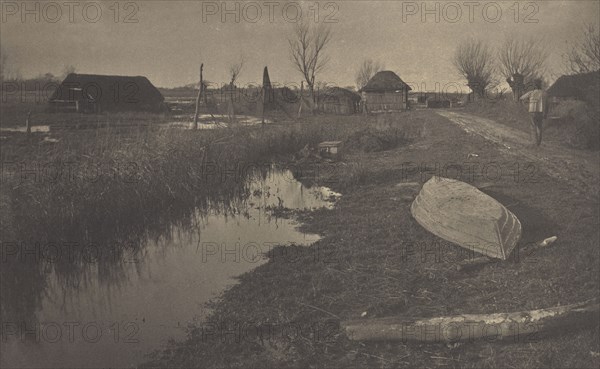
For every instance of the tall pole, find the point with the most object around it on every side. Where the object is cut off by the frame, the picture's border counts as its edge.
(264, 99)
(28, 123)
(199, 97)
(230, 107)
(301, 98)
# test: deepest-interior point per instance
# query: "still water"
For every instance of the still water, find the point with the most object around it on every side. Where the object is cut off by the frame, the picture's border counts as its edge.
(113, 319)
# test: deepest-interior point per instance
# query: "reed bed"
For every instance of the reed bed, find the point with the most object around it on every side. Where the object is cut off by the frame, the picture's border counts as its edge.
(108, 180)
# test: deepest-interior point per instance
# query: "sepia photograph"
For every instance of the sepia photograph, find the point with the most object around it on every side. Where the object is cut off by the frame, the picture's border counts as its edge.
(343, 184)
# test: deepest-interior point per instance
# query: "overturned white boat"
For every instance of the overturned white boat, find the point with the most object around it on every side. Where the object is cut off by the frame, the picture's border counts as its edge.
(461, 214)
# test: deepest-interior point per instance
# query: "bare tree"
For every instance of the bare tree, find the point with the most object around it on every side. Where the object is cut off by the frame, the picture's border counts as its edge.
(522, 60)
(585, 55)
(474, 61)
(307, 45)
(236, 68)
(368, 68)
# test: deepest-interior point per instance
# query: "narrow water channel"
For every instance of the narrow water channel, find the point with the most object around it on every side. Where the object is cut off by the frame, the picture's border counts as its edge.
(113, 318)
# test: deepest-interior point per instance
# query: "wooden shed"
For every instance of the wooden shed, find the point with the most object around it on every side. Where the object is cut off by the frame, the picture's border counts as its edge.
(88, 93)
(337, 100)
(385, 92)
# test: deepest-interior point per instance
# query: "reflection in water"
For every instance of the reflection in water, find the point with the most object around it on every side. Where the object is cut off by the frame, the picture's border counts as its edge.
(111, 303)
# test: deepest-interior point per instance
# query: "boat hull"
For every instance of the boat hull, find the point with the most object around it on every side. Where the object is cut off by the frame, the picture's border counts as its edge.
(460, 213)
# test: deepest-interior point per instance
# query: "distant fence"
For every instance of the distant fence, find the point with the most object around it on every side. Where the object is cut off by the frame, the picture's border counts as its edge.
(436, 104)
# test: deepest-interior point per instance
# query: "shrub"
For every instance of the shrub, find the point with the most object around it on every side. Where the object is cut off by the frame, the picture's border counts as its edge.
(579, 122)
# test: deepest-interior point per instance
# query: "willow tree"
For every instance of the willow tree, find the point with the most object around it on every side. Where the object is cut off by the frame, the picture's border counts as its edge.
(522, 60)
(474, 60)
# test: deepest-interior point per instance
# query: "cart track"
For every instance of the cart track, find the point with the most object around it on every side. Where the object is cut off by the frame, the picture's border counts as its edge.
(579, 168)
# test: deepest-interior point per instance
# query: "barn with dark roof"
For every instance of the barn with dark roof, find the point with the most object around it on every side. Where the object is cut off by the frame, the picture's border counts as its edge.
(385, 92)
(92, 93)
(582, 86)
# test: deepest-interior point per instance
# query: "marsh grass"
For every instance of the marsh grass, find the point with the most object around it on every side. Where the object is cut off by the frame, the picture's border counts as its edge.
(116, 178)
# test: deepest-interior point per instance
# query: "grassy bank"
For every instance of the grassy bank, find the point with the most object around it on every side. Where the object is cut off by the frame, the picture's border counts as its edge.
(375, 260)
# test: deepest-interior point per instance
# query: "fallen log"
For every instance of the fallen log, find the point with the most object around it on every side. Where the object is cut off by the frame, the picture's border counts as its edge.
(521, 326)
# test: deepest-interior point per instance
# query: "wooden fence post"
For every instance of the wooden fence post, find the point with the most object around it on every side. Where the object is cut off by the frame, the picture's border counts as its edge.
(199, 97)
(28, 123)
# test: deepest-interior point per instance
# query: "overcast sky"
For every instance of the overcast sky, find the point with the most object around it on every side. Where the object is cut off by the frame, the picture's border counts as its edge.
(171, 38)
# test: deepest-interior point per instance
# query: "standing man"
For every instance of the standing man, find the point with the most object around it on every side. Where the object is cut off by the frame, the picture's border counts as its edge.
(538, 110)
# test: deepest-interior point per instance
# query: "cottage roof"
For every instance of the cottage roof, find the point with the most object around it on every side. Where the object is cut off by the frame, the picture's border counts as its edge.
(385, 81)
(113, 89)
(338, 92)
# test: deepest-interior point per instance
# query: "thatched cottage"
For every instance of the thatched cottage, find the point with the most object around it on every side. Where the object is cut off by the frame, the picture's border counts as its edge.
(100, 93)
(385, 92)
(337, 100)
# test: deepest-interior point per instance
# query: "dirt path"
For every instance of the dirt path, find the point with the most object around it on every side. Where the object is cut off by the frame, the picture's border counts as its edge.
(579, 168)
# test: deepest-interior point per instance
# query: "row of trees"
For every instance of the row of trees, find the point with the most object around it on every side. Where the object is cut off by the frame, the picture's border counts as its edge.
(520, 60)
